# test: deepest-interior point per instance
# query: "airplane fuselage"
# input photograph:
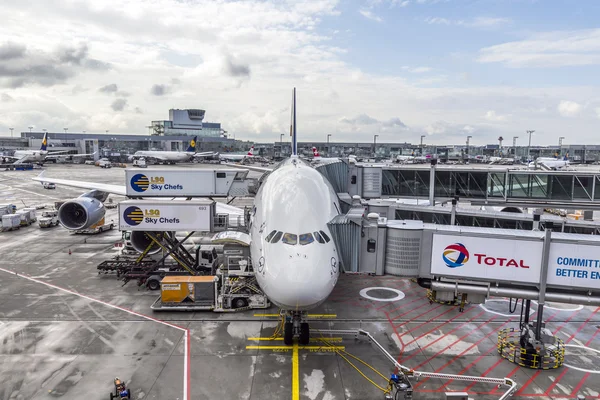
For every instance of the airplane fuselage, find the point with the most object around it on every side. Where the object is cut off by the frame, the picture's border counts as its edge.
(174, 156)
(31, 155)
(298, 269)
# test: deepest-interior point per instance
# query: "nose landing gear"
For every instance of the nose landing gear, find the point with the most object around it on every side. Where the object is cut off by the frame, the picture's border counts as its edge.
(296, 326)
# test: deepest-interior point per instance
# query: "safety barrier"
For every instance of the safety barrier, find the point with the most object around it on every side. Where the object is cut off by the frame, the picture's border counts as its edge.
(509, 348)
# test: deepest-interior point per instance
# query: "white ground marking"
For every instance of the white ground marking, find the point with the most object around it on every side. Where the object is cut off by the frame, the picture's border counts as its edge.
(398, 293)
(577, 308)
(591, 371)
(499, 313)
(186, 336)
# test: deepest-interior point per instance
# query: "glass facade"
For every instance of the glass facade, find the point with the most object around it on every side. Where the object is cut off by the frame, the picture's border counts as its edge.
(571, 186)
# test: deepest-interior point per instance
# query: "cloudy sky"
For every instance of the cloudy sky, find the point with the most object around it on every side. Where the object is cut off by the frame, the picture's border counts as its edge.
(396, 68)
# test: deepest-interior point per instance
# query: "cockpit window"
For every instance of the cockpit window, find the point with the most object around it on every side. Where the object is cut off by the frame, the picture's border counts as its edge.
(325, 236)
(290, 238)
(277, 237)
(270, 236)
(306, 238)
(319, 237)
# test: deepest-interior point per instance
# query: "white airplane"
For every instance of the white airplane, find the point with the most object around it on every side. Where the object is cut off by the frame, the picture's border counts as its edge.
(171, 157)
(501, 160)
(549, 162)
(238, 157)
(317, 159)
(41, 155)
(293, 254)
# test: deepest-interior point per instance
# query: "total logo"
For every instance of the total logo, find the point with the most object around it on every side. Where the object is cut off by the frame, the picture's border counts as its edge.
(456, 255)
(134, 216)
(140, 183)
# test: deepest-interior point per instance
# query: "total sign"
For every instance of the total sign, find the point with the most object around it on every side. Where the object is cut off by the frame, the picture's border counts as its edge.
(147, 215)
(574, 265)
(486, 258)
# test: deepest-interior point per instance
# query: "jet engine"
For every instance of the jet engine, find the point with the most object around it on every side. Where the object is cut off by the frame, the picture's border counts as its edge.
(81, 213)
(140, 242)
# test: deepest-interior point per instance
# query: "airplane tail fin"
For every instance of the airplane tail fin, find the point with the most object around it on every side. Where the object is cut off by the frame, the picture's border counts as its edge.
(251, 151)
(192, 146)
(315, 152)
(293, 125)
(44, 146)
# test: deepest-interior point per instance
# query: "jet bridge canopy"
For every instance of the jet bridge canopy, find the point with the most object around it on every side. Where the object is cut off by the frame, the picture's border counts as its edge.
(488, 184)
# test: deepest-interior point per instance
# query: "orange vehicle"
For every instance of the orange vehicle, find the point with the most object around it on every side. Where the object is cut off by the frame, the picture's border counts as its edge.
(121, 391)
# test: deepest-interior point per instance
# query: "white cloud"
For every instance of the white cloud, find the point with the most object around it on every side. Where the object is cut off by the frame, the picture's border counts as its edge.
(597, 109)
(370, 15)
(492, 116)
(240, 66)
(488, 22)
(417, 70)
(552, 49)
(438, 21)
(568, 108)
(478, 22)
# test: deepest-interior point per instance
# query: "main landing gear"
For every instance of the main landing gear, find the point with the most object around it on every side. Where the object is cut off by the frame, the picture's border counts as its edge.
(296, 326)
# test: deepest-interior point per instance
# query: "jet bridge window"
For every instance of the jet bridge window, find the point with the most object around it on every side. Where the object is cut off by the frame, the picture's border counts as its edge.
(306, 238)
(325, 236)
(319, 237)
(290, 238)
(270, 236)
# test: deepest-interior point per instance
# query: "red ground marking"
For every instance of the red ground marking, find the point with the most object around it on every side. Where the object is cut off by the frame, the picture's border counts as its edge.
(406, 304)
(553, 385)
(470, 365)
(463, 352)
(441, 337)
(429, 322)
(420, 315)
(453, 343)
(407, 312)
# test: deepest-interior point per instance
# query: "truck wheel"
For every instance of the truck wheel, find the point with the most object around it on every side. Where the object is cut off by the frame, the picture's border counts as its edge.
(153, 283)
(239, 303)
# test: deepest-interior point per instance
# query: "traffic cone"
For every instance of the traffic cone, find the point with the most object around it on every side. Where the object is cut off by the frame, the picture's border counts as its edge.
(69, 251)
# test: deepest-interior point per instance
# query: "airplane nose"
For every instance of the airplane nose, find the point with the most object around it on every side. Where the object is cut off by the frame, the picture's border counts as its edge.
(301, 283)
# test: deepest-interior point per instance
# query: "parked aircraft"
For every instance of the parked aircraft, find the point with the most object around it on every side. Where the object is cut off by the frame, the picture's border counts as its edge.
(238, 157)
(550, 162)
(40, 156)
(171, 157)
(294, 256)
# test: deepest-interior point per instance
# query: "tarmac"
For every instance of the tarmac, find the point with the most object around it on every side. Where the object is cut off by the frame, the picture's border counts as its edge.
(67, 332)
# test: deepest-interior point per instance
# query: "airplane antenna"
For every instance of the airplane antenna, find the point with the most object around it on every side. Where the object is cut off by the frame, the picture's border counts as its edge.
(293, 125)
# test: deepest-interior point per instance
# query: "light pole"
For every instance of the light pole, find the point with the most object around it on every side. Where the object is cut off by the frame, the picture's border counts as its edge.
(468, 139)
(281, 144)
(560, 139)
(30, 128)
(515, 146)
(529, 145)
(421, 146)
(375, 145)
(328, 136)
(66, 129)
(11, 131)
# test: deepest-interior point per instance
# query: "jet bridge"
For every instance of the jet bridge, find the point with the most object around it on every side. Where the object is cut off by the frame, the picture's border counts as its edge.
(482, 185)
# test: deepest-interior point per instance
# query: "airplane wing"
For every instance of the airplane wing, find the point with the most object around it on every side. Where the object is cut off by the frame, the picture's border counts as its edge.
(250, 167)
(103, 187)
(234, 212)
